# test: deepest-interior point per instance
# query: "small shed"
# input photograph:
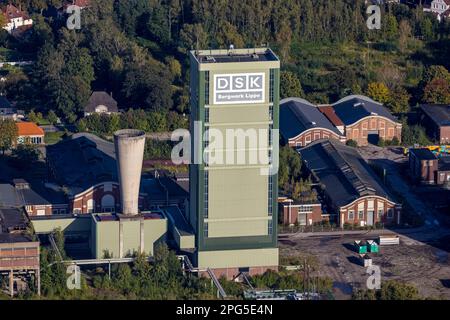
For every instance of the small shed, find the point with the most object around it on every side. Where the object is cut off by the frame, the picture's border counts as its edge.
(372, 246)
(360, 246)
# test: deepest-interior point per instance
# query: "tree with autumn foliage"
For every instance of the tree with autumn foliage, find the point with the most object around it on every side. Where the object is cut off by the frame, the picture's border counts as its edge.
(378, 91)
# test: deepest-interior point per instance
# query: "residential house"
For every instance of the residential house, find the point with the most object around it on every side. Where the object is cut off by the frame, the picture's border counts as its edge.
(16, 19)
(100, 102)
(29, 132)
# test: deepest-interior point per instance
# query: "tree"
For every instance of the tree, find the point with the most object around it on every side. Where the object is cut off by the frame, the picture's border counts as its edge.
(398, 100)
(284, 40)
(352, 143)
(8, 134)
(404, 35)
(390, 27)
(437, 91)
(25, 155)
(227, 35)
(147, 82)
(290, 167)
(290, 85)
(390, 290)
(52, 117)
(426, 28)
(378, 92)
(193, 36)
(435, 72)
(414, 135)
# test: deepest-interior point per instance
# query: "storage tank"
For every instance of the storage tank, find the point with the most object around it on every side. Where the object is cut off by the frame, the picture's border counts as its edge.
(129, 145)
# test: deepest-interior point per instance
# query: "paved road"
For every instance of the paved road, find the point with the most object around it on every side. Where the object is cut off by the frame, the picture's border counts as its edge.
(391, 160)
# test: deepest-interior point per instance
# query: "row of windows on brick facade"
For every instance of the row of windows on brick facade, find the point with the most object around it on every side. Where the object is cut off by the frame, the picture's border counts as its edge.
(351, 214)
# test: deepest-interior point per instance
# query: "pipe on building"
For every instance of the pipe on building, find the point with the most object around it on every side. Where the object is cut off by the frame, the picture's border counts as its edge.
(129, 145)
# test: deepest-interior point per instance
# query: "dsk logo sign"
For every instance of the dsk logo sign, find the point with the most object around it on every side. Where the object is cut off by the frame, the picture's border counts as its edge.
(239, 88)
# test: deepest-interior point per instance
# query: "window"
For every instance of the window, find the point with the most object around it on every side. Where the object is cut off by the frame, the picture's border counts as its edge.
(206, 115)
(272, 84)
(271, 113)
(205, 230)
(380, 213)
(205, 201)
(62, 211)
(305, 209)
(77, 211)
(270, 135)
(207, 87)
(390, 213)
(270, 196)
(270, 227)
(360, 215)
(55, 211)
(351, 215)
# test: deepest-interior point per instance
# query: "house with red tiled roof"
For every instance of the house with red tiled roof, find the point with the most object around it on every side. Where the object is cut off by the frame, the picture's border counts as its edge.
(16, 18)
(29, 132)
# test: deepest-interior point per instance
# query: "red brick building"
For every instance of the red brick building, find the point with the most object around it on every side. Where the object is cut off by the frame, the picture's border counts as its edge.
(302, 123)
(299, 213)
(436, 119)
(19, 254)
(364, 120)
(427, 168)
(351, 190)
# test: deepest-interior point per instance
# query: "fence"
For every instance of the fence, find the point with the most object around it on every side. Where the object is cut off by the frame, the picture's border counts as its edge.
(326, 228)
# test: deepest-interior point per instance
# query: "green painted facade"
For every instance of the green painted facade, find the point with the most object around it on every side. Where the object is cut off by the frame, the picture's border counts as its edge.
(111, 235)
(69, 224)
(237, 198)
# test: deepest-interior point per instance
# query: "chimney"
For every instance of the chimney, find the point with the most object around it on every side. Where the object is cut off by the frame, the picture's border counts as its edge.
(129, 145)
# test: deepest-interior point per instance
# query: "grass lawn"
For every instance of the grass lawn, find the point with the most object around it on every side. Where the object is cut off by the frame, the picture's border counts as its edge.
(53, 137)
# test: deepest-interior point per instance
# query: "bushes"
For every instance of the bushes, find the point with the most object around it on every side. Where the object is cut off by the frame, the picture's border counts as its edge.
(352, 143)
(390, 290)
(149, 121)
(290, 280)
(155, 150)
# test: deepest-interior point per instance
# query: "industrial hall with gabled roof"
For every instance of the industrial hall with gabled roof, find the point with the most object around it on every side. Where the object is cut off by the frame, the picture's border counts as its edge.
(353, 192)
(302, 123)
(354, 117)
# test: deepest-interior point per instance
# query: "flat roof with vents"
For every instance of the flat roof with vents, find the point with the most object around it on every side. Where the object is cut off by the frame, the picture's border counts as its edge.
(234, 55)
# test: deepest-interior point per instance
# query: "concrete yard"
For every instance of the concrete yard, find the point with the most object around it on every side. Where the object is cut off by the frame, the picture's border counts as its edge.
(425, 264)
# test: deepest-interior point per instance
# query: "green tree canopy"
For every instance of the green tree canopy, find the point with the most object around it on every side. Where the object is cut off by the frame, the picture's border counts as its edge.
(290, 85)
(8, 134)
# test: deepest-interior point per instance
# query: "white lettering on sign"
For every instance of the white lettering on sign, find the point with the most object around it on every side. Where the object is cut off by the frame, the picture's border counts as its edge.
(239, 88)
